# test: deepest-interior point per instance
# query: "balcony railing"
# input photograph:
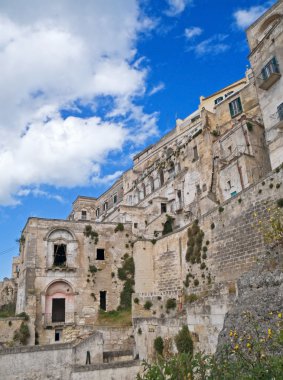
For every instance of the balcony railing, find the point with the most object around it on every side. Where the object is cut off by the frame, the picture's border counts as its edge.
(50, 320)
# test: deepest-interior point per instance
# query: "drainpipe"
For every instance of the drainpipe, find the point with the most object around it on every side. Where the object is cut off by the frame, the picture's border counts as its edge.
(240, 174)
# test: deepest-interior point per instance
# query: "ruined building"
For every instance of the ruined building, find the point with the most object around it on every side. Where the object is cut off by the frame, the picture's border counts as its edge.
(217, 167)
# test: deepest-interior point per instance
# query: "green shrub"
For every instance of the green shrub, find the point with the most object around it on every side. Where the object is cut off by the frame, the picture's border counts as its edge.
(90, 233)
(158, 345)
(171, 304)
(280, 202)
(191, 298)
(249, 126)
(183, 341)
(221, 209)
(92, 269)
(22, 334)
(7, 310)
(136, 300)
(196, 282)
(24, 315)
(119, 227)
(147, 305)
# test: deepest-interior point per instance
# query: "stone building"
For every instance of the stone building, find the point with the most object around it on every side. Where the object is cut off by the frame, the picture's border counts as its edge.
(207, 177)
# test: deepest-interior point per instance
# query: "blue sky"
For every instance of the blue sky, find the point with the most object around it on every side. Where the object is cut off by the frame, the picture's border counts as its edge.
(85, 87)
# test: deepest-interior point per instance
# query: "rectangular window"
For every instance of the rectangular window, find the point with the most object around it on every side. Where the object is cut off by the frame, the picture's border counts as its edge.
(97, 212)
(163, 208)
(100, 254)
(58, 334)
(270, 68)
(135, 225)
(115, 198)
(280, 111)
(60, 257)
(198, 189)
(195, 151)
(235, 107)
(84, 215)
(102, 302)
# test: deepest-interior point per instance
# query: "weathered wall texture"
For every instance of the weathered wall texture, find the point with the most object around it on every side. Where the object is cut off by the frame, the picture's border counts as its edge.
(8, 292)
(8, 326)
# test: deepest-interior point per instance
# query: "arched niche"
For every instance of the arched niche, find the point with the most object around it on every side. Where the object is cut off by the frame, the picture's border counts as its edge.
(151, 184)
(62, 248)
(59, 302)
(269, 23)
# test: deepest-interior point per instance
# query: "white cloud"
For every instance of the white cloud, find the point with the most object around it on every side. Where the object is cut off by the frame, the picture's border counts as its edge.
(57, 55)
(36, 192)
(156, 89)
(245, 17)
(193, 32)
(211, 46)
(176, 7)
(107, 179)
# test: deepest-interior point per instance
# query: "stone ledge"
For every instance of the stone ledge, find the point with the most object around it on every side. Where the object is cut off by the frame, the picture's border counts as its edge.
(113, 365)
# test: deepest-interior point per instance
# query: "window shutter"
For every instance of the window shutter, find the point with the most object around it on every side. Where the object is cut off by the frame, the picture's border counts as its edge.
(231, 109)
(280, 111)
(240, 108)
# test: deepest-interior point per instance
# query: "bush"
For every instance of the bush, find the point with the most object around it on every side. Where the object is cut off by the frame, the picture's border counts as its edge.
(147, 305)
(23, 315)
(191, 298)
(184, 342)
(171, 304)
(136, 300)
(280, 202)
(90, 233)
(221, 209)
(168, 225)
(22, 335)
(119, 227)
(159, 345)
(7, 310)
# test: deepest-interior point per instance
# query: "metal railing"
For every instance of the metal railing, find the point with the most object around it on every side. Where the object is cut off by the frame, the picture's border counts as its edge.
(50, 319)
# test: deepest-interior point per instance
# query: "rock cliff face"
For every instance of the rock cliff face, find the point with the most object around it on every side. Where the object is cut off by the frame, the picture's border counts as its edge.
(259, 301)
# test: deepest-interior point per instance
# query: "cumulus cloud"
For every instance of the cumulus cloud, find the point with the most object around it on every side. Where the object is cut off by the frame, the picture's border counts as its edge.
(211, 46)
(60, 55)
(245, 17)
(193, 32)
(176, 7)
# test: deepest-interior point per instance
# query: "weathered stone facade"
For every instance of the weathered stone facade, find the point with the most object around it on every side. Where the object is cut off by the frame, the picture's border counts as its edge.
(184, 213)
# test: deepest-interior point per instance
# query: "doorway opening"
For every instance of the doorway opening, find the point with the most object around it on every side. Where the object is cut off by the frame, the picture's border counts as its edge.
(102, 300)
(58, 310)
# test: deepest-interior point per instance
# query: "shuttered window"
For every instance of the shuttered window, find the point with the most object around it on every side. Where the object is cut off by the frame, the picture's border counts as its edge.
(235, 107)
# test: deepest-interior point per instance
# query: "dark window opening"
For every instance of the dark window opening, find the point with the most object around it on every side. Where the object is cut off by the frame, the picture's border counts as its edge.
(198, 189)
(115, 198)
(97, 212)
(102, 300)
(84, 215)
(105, 206)
(161, 177)
(218, 100)
(135, 225)
(60, 257)
(229, 184)
(58, 334)
(100, 254)
(229, 93)
(230, 149)
(163, 208)
(179, 194)
(195, 150)
(58, 310)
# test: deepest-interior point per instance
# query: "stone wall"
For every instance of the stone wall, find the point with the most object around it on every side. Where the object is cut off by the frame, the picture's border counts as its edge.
(8, 292)
(8, 326)
(116, 338)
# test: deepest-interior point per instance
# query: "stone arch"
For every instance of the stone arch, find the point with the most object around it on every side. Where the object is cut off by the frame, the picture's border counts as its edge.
(59, 302)
(171, 169)
(62, 248)
(270, 22)
(143, 191)
(161, 177)
(151, 184)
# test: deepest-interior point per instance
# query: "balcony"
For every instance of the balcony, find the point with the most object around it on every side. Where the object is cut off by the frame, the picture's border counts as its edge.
(51, 320)
(270, 74)
(277, 119)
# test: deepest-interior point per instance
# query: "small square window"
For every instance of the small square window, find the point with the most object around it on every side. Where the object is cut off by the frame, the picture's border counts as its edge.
(135, 225)
(100, 254)
(163, 208)
(84, 215)
(58, 335)
(235, 107)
